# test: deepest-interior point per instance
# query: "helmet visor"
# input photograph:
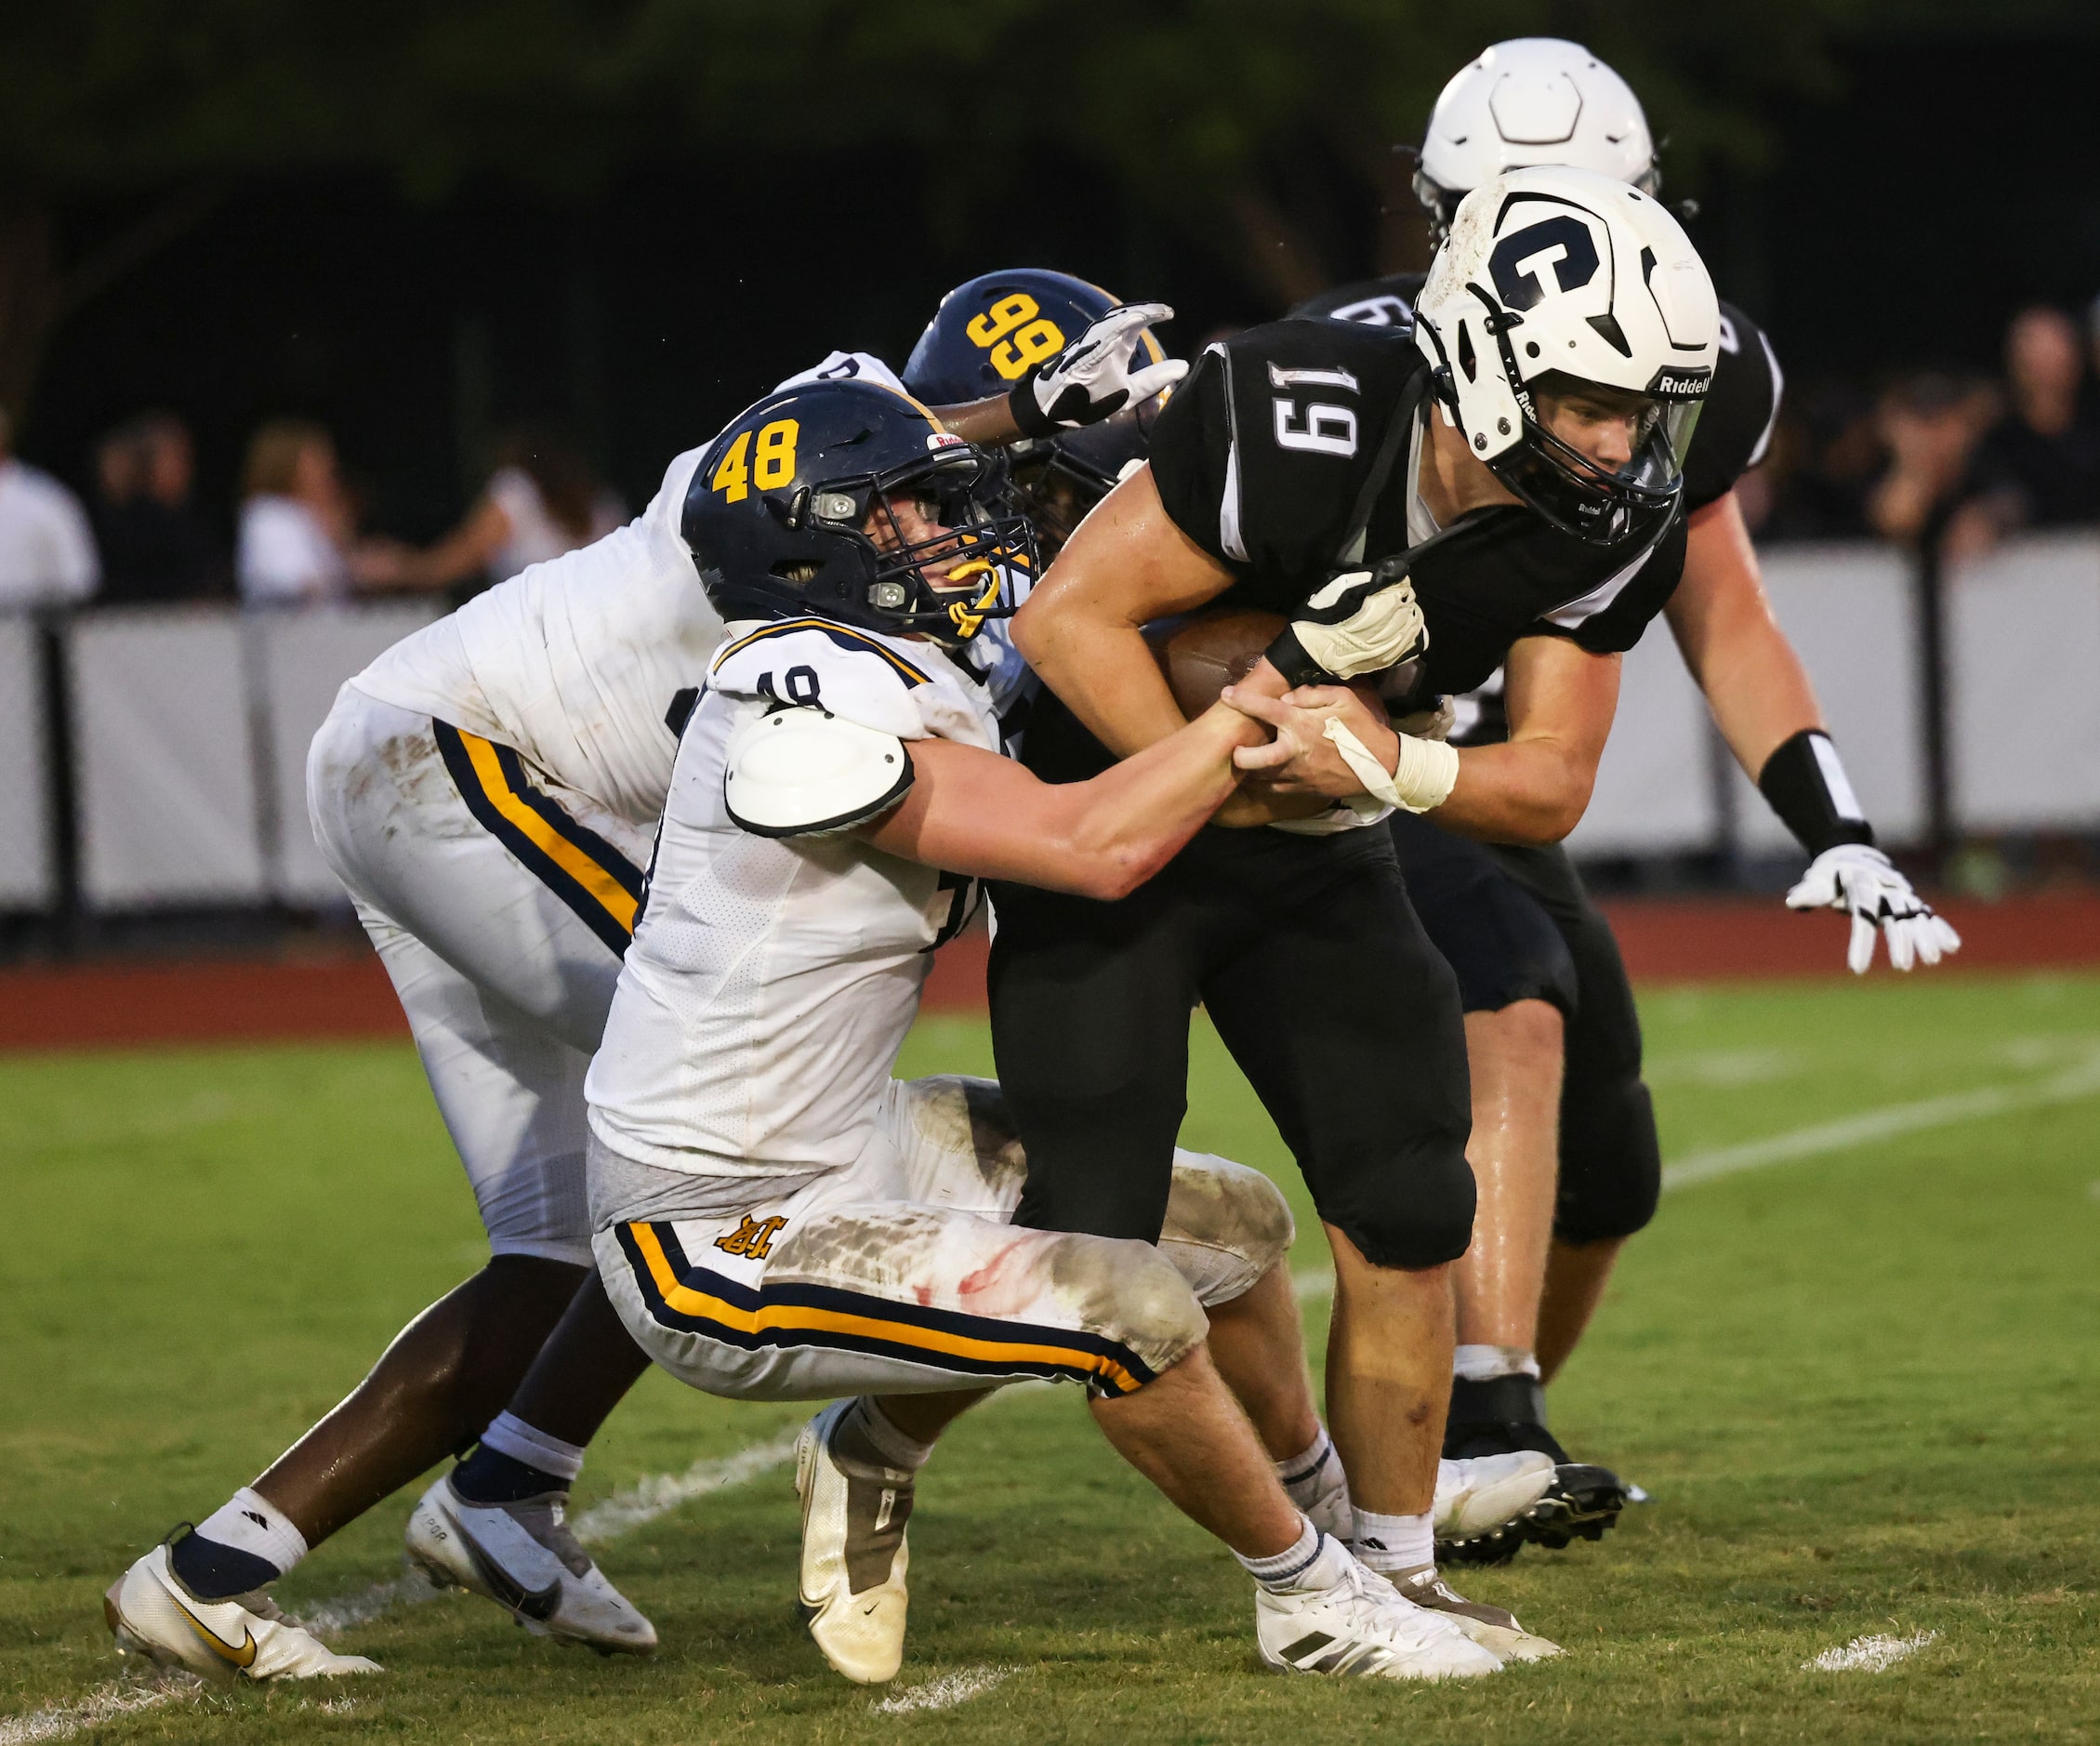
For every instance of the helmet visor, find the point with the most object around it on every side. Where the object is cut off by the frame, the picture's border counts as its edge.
(1601, 463)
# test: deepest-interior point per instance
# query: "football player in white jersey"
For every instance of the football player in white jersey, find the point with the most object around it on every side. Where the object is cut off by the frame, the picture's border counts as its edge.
(487, 792)
(777, 1217)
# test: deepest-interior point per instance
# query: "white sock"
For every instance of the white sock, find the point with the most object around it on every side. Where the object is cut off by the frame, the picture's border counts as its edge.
(1312, 1560)
(1315, 1483)
(508, 1435)
(865, 1427)
(1484, 1364)
(248, 1523)
(1395, 1542)
(1306, 1476)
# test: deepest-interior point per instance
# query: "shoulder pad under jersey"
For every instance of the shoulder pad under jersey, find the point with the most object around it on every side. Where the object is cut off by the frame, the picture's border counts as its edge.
(800, 773)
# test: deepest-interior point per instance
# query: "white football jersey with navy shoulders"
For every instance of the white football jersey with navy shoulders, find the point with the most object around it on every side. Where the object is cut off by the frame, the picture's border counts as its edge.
(772, 979)
(580, 663)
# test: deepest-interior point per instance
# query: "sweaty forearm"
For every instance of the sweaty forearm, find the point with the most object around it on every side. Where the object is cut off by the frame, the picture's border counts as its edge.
(1760, 694)
(1525, 791)
(1119, 829)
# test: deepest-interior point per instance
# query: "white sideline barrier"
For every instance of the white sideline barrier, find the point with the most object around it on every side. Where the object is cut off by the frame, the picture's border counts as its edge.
(1850, 611)
(2023, 653)
(164, 760)
(1655, 785)
(28, 870)
(303, 659)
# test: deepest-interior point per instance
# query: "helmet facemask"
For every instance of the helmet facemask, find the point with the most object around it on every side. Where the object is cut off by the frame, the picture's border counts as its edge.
(978, 535)
(1598, 504)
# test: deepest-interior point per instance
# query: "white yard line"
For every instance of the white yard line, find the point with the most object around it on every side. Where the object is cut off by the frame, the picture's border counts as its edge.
(1869, 1655)
(1886, 1123)
(945, 1692)
(105, 1703)
(639, 1504)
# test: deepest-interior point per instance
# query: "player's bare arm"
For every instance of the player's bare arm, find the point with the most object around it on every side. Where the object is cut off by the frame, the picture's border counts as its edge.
(1533, 787)
(1731, 640)
(1083, 628)
(970, 811)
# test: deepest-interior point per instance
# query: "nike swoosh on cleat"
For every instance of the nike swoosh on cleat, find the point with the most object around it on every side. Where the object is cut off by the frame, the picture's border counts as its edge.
(243, 1657)
(538, 1604)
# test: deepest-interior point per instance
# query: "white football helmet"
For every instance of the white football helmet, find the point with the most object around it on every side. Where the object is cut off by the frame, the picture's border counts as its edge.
(1555, 277)
(1533, 99)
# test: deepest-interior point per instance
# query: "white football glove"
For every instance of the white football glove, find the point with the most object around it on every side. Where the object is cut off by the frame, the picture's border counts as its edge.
(1362, 621)
(1093, 378)
(1856, 878)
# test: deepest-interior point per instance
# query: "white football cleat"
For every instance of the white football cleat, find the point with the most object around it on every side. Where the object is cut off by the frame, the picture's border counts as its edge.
(151, 1613)
(1494, 1628)
(854, 1556)
(1478, 1496)
(522, 1557)
(1363, 1628)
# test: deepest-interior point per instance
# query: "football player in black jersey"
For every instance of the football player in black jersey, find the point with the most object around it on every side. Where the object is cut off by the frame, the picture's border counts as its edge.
(1518, 489)
(1540, 976)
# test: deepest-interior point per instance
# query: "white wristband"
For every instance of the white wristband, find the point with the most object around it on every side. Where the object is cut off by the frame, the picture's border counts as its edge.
(1428, 771)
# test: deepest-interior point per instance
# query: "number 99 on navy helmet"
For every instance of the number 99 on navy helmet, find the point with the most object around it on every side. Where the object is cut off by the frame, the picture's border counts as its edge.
(988, 333)
(845, 501)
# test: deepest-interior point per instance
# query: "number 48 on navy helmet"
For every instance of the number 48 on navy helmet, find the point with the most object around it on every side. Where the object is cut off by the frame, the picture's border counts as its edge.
(845, 501)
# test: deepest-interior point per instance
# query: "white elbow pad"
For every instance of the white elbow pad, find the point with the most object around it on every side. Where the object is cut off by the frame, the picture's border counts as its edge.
(802, 772)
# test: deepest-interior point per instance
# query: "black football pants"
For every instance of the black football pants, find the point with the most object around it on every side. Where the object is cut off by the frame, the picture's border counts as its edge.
(1310, 960)
(1515, 925)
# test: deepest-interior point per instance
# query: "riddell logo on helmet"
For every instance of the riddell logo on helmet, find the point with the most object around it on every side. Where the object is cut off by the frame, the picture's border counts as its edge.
(943, 440)
(1679, 384)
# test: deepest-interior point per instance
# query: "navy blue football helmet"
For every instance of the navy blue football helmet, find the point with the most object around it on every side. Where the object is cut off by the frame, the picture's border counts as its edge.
(817, 500)
(986, 335)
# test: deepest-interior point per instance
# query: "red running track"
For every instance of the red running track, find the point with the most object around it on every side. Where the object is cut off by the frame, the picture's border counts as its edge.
(106, 1005)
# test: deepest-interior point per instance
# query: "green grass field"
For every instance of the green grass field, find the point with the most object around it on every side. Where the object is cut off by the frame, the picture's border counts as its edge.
(1860, 1384)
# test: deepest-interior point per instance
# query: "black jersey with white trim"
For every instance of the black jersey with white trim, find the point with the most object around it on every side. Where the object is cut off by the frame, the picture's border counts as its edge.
(1742, 403)
(1265, 451)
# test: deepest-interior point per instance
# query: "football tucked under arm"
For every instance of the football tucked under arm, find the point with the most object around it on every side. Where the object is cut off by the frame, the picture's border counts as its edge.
(1204, 653)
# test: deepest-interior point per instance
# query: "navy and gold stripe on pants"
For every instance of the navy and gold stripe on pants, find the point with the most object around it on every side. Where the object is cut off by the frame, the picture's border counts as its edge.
(691, 1299)
(578, 864)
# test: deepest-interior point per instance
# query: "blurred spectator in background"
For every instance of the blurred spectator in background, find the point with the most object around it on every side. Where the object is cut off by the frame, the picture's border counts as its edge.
(2039, 465)
(46, 550)
(541, 500)
(1929, 426)
(155, 545)
(295, 518)
(1826, 454)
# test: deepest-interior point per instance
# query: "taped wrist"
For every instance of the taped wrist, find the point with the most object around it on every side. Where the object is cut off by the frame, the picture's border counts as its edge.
(1804, 783)
(1426, 772)
(1028, 414)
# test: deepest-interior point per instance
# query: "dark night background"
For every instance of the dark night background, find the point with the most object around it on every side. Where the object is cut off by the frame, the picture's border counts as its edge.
(1897, 218)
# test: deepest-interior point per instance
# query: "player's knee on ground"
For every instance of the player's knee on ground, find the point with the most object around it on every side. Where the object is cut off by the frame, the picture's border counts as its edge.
(1411, 1205)
(1611, 1159)
(1226, 1225)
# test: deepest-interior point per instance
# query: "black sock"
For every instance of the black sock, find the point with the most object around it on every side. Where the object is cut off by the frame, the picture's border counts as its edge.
(211, 1571)
(487, 1477)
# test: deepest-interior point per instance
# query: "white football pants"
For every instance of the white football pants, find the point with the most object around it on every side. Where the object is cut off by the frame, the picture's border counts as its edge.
(500, 903)
(901, 1274)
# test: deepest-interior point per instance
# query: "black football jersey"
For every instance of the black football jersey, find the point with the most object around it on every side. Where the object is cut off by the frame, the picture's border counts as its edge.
(1735, 427)
(1270, 456)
